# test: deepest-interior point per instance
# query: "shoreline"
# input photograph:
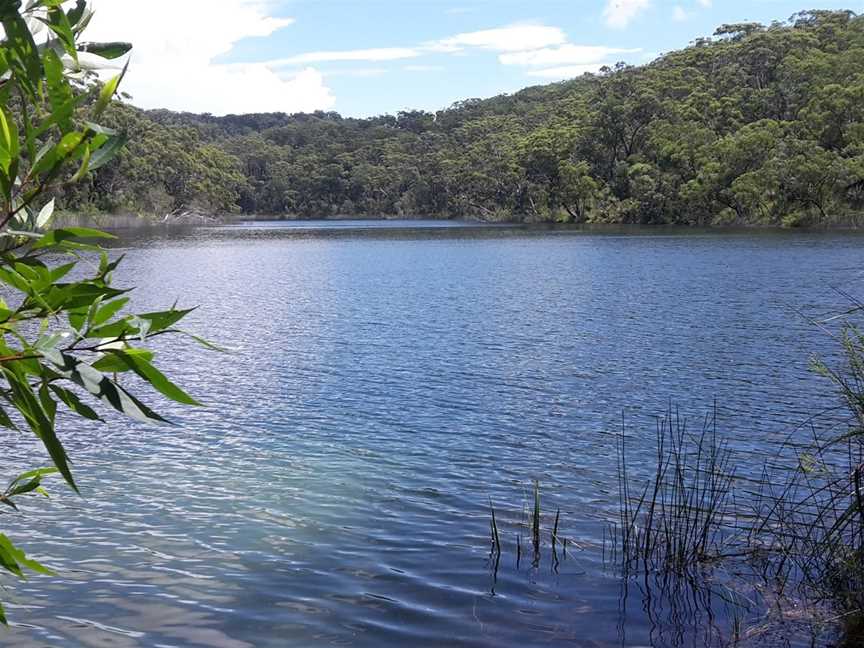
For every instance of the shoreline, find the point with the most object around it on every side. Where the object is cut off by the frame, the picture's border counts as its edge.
(135, 222)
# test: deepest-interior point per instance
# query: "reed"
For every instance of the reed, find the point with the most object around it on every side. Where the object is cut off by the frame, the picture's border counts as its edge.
(496, 540)
(531, 524)
(809, 516)
(535, 518)
(680, 514)
(796, 537)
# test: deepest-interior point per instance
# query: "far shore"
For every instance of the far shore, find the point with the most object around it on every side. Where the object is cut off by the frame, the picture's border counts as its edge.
(197, 219)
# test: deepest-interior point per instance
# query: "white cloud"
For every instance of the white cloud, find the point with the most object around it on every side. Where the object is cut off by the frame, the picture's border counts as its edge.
(678, 14)
(619, 13)
(372, 54)
(566, 71)
(512, 38)
(172, 63)
(355, 72)
(705, 3)
(423, 68)
(568, 54)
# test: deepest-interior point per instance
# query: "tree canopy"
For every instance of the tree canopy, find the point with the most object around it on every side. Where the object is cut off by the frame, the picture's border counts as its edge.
(755, 125)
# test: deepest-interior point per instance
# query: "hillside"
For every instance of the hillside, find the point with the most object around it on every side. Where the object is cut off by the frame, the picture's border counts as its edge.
(756, 125)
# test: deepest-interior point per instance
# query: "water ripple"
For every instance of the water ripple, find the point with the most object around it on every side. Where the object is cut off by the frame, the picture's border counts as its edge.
(385, 385)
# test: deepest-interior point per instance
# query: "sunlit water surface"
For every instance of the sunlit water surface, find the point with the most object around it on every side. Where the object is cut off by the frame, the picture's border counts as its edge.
(387, 379)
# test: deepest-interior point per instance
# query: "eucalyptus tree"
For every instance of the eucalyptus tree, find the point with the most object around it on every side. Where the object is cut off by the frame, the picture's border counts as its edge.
(64, 342)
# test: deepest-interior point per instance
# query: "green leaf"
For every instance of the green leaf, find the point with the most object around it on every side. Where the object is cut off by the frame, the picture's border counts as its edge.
(84, 167)
(7, 559)
(161, 320)
(120, 328)
(71, 400)
(107, 152)
(5, 421)
(58, 22)
(24, 55)
(32, 410)
(73, 296)
(10, 554)
(69, 143)
(130, 325)
(100, 130)
(138, 363)
(106, 50)
(45, 215)
(75, 14)
(106, 94)
(107, 311)
(203, 342)
(61, 271)
(48, 403)
(54, 237)
(59, 93)
(103, 388)
(110, 363)
(12, 278)
(45, 158)
(36, 472)
(81, 22)
(9, 139)
(28, 482)
(105, 268)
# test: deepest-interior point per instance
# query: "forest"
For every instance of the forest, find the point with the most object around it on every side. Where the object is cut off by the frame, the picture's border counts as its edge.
(755, 125)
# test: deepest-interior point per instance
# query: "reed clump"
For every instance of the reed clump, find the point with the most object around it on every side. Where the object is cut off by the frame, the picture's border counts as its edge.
(811, 517)
(785, 550)
(702, 551)
(797, 536)
(680, 517)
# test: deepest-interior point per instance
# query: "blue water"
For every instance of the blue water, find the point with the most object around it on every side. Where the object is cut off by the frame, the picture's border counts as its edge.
(384, 383)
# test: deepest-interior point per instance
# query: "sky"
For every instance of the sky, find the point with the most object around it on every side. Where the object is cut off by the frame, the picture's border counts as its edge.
(370, 57)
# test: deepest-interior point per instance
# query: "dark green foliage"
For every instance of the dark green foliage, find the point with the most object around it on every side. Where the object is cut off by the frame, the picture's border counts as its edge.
(758, 125)
(161, 169)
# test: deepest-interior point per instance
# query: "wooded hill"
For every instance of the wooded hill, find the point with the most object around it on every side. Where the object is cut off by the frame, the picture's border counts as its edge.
(758, 125)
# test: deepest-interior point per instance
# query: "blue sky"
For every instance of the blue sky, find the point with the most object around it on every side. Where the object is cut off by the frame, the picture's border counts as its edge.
(380, 56)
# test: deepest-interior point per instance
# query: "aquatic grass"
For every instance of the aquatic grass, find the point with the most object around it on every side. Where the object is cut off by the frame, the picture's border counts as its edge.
(810, 512)
(496, 540)
(692, 551)
(532, 525)
(812, 526)
(535, 519)
(799, 537)
(680, 517)
(555, 527)
(786, 560)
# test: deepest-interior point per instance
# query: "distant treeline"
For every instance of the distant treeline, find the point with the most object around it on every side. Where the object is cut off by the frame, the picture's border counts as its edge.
(758, 125)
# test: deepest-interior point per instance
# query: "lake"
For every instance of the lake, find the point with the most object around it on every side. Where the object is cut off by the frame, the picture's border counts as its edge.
(385, 381)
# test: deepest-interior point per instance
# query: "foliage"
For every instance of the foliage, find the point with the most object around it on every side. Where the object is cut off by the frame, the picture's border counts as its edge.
(757, 125)
(160, 170)
(65, 334)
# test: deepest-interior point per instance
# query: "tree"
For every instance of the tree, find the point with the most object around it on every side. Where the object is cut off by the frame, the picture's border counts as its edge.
(737, 31)
(683, 139)
(62, 341)
(578, 189)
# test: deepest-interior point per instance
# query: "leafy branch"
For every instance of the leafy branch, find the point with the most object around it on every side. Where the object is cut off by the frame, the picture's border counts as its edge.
(62, 341)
